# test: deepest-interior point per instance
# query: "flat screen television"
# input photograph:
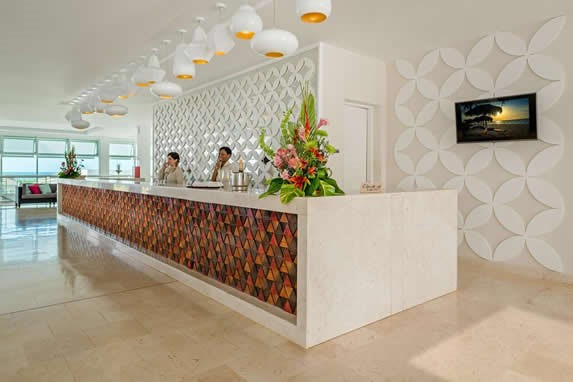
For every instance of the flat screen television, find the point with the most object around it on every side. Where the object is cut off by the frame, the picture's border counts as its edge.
(497, 119)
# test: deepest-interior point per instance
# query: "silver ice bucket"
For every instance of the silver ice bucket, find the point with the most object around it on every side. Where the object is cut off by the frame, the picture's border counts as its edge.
(240, 181)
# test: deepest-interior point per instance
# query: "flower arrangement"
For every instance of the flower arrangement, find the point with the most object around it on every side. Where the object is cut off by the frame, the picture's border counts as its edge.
(302, 156)
(70, 168)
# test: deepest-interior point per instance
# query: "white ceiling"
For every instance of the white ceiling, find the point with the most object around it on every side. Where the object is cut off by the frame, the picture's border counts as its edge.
(51, 50)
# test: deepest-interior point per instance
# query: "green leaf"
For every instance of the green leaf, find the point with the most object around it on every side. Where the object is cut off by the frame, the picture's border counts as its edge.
(311, 110)
(331, 149)
(333, 183)
(289, 192)
(274, 187)
(326, 189)
(266, 149)
(286, 129)
(322, 133)
(310, 144)
(312, 187)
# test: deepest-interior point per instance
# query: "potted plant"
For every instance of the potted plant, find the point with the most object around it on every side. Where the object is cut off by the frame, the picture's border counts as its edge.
(302, 156)
(70, 168)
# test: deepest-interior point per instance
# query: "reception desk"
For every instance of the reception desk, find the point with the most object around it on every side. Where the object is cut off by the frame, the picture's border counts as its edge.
(311, 270)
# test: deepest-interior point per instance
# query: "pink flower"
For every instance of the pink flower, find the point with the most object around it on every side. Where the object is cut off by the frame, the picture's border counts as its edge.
(322, 122)
(302, 135)
(290, 147)
(277, 161)
(294, 162)
(285, 175)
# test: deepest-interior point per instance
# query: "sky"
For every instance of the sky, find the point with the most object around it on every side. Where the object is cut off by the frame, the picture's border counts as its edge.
(513, 109)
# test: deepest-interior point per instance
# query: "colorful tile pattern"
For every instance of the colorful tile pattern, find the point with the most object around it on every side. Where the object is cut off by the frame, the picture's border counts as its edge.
(254, 251)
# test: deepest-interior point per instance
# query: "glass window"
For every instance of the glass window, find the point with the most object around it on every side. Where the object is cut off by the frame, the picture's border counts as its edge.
(85, 147)
(91, 165)
(18, 166)
(51, 147)
(18, 145)
(121, 166)
(49, 166)
(121, 149)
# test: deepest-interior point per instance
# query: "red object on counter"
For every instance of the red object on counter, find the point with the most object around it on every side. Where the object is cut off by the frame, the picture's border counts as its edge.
(137, 172)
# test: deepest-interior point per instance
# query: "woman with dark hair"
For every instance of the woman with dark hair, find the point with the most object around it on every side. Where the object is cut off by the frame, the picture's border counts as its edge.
(171, 173)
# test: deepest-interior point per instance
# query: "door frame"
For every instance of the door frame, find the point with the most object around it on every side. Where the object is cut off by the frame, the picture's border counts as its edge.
(369, 136)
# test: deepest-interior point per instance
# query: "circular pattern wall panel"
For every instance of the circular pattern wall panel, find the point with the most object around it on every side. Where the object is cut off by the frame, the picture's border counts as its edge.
(469, 175)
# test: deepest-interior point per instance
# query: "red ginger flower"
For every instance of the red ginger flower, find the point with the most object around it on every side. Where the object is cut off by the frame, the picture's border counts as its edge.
(299, 181)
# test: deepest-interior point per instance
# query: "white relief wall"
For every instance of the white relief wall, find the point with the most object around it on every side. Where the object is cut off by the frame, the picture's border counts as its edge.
(231, 113)
(507, 206)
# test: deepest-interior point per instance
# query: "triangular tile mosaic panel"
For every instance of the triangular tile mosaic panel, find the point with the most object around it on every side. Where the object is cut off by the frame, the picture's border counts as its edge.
(254, 251)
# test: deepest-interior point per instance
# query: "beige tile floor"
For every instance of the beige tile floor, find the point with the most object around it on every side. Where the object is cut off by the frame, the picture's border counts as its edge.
(74, 308)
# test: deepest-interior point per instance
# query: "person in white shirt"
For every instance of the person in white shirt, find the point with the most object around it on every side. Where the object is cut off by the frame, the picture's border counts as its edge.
(222, 168)
(171, 173)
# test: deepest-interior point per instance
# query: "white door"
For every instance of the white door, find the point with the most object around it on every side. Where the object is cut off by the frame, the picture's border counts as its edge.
(356, 149)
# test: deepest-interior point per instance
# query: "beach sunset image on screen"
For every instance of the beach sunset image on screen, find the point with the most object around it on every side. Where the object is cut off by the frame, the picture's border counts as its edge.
(503, 118)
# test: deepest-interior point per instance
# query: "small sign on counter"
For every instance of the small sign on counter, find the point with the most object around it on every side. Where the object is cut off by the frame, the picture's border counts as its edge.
(368, 188)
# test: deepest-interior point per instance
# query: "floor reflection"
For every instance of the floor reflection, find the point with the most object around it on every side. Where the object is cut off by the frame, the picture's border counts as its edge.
(44, 263)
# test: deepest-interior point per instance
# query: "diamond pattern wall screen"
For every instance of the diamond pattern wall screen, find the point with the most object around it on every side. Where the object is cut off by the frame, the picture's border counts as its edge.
(231, 114)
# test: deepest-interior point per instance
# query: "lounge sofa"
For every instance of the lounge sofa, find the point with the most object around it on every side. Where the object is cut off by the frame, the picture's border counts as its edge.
(26, 197)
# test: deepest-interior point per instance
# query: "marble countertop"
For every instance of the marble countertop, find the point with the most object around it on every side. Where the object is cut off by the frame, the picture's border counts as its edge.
(248, 199)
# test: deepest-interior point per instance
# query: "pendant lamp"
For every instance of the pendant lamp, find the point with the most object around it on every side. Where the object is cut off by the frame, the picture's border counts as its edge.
(199, 51)
(274, 43)
(183, 67)
(220, 40)
(140, 77)
(73, 115)
(313, 11)
(108, 94)
(86, 108)
(246, 23)
(166, 90)
(154, 71)
(115, 110)
(125, 87)
(80, 124)
(219, 37)
(100, 107)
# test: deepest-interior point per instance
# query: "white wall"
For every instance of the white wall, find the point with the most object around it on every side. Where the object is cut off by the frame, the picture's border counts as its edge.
(514, 199)
(348, 77)
(145, 148)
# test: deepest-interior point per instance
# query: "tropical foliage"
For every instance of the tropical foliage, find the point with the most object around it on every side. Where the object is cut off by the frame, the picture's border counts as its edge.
(302, 156)
(70, 168)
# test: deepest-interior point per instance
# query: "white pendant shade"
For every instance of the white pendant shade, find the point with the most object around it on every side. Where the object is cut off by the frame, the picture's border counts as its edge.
(275, 43)
(108, 95)
(183, 68)
(100, 107)
(246, 23)
(73, 115)
(154, 71)
(166, 90)
(150, 74)
(125, 87)
(80, 124)
(86, 108)
(140, 77)
(199, 51)
(220, 40)
(313, 11)
(116, 110)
